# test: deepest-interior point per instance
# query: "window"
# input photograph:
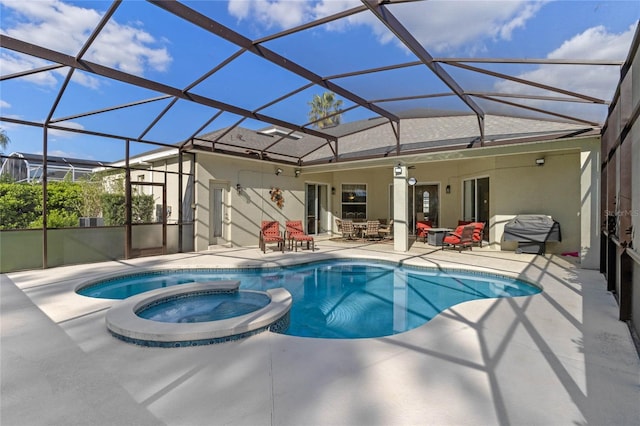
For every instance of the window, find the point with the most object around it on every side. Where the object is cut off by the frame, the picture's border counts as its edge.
(354, 201)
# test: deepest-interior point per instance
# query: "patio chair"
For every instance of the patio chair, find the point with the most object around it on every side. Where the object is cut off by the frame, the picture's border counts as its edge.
(461, 238)
(422, 229)
(478, 233)
(295, 235)
(348, 230)
(386, 231)
(270, 233)
(339, 224)
(372, 231)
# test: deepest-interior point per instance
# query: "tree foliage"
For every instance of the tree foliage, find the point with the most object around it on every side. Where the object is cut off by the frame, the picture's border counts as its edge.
(113, 209)
(4, 140)
(21, 205)
(92, 190)
(325, 110)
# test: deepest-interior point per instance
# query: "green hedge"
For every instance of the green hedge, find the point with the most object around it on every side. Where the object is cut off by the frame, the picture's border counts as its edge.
(21, 205)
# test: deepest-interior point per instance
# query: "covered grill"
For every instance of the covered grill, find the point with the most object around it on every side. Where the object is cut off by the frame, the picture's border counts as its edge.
(532, 231)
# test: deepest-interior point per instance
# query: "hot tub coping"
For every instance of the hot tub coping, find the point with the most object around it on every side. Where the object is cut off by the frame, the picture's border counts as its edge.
(123, 322)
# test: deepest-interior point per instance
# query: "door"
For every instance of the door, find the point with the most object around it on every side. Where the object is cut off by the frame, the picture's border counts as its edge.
(147, 235)
(218, 213)
(316, 207)
(424, 204)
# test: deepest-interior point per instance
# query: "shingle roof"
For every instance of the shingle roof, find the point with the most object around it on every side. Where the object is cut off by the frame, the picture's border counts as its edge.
(377, 137)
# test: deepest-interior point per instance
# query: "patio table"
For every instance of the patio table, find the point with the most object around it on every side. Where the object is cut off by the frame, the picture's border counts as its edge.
(435, 236)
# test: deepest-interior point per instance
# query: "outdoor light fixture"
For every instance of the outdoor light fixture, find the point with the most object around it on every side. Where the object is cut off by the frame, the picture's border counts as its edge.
(398, 170)
(278, 171)
(297, 172)
(333, 191)
(239, 188)
(448, 189)
(412, 181)
(540, 161)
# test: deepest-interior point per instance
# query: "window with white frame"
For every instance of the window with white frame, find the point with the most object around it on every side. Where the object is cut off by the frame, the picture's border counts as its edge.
(354, 201)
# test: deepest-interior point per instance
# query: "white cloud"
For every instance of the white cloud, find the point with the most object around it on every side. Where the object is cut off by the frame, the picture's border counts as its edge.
(271, 13)
(13, 63)
(65, 28)
(69, 125)
(431, 22)
(442, 26)
(596, 43)
(4, 104)
(597, 81)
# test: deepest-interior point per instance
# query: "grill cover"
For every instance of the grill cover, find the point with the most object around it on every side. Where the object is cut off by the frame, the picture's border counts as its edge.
(532, 231)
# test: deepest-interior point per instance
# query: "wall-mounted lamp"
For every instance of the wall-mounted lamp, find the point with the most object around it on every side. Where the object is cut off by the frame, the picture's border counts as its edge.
(297, 172)
(412, 181)
(333, 191)
(540, 161)
(238, 188)
(448, 189)
(278, 171)
(398, 170)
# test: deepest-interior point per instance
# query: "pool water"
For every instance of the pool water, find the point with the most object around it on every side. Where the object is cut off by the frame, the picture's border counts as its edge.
(343, 299)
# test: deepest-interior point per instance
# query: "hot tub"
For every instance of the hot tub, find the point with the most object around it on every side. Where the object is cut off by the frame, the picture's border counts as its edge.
(125, 323)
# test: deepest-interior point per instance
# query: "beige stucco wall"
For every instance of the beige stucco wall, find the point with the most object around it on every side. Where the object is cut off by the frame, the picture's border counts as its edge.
(565, 188)
(522, 187)
(246, 209)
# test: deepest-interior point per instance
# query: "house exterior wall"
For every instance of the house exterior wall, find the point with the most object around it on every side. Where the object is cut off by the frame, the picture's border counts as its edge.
(565, 188)
(245, 209)
(522, 187)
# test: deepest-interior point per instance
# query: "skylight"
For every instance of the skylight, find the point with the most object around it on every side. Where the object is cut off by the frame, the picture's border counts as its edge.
(281, 133)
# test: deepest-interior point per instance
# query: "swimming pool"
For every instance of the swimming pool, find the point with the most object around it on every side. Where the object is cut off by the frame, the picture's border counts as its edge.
(341, 299)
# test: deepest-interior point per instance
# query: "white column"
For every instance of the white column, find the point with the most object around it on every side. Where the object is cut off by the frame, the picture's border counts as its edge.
(590, 208)
(400, 212)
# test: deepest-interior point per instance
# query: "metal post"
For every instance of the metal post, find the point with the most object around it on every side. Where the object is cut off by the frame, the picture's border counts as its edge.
(127, 203)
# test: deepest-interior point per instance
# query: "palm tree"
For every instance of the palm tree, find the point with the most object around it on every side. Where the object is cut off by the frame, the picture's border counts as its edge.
(323, 108)
(4, 140)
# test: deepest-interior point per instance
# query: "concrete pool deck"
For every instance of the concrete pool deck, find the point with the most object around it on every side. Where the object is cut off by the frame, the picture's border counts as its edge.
(557, 358)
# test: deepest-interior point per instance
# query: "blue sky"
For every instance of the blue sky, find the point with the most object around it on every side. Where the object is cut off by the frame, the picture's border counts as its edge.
(144, 40)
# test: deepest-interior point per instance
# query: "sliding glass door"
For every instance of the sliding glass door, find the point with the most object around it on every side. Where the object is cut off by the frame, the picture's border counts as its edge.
(475, 206)
(316, 207)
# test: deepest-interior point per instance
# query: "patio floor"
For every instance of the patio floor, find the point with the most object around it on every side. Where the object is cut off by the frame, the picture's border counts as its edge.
(557, 358)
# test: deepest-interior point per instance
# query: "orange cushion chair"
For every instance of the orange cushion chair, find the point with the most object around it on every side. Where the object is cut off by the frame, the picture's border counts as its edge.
(422, 229)
(461, 237)
(295, 235)
(478, 233)
(270, 233)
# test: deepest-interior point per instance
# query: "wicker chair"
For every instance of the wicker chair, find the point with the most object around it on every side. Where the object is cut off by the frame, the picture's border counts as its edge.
(348, 230)
(372, 231)
(386, 231)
